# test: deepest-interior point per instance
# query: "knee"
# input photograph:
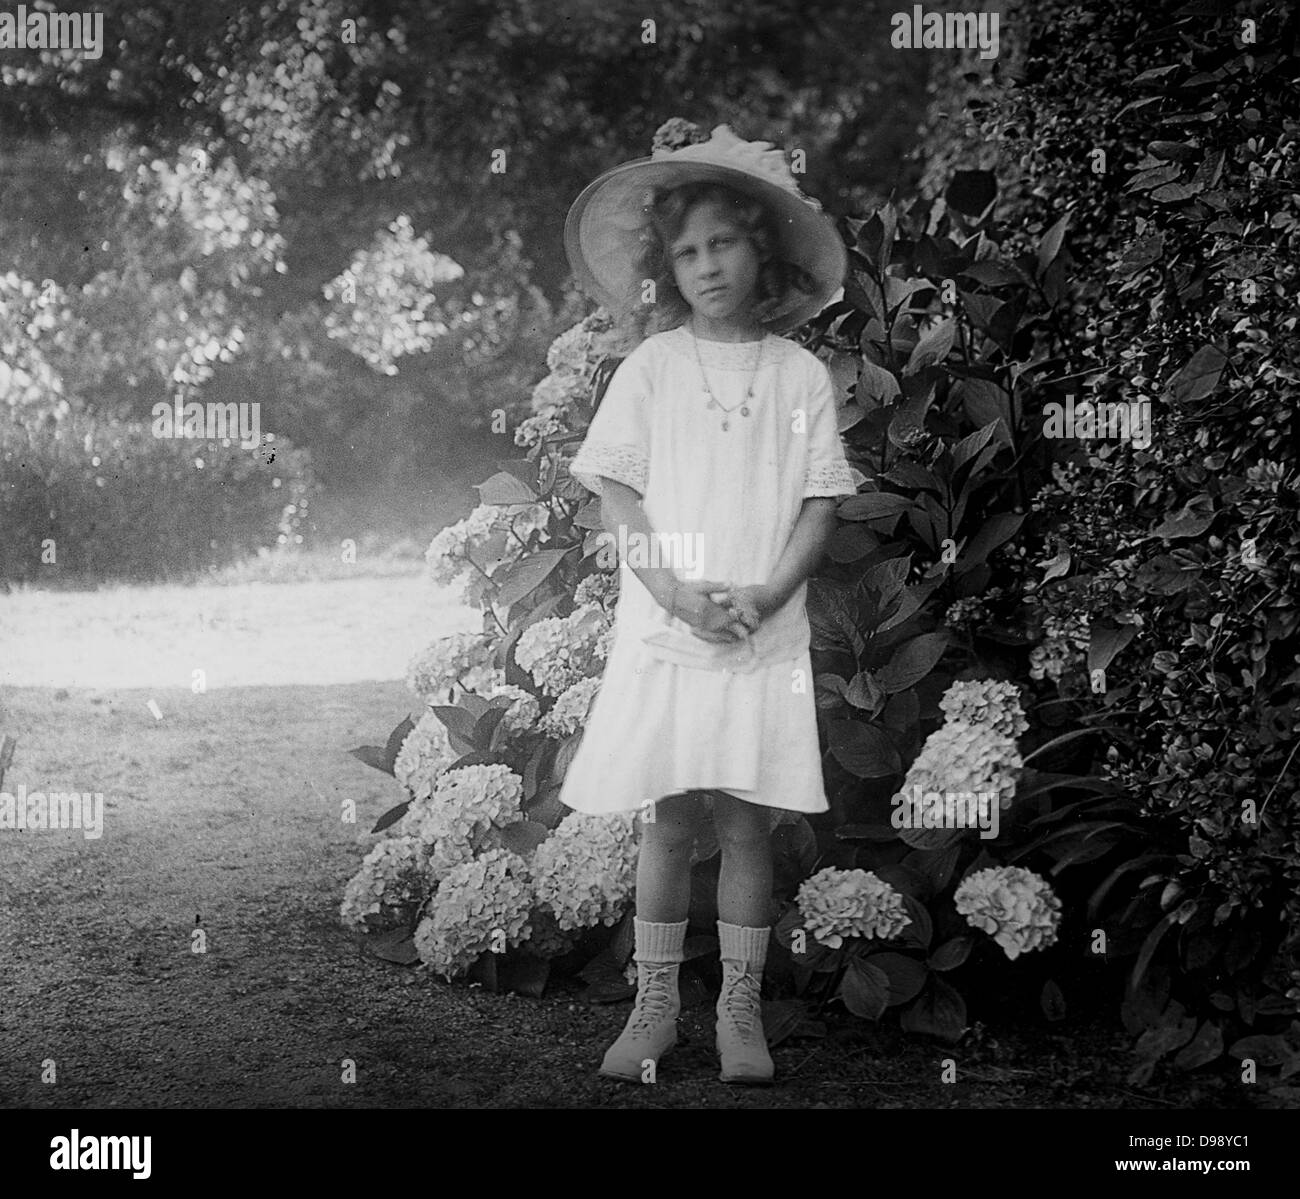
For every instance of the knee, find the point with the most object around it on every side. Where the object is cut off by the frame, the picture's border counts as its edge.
(743, 831)
(671, 827)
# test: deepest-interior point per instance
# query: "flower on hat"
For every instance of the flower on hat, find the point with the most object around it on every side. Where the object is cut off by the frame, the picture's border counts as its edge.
(724, 148)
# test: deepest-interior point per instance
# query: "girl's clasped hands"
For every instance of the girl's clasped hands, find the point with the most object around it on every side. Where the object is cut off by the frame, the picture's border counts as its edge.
(722, 613)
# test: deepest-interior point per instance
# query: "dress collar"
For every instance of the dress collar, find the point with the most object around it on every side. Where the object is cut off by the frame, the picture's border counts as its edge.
(722, 355)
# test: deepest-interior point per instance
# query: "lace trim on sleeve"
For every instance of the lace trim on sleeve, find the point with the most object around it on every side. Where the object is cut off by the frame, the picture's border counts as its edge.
(601, 460)
(829, 479)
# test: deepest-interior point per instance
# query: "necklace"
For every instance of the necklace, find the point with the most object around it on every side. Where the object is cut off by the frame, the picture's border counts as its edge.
(708, 391)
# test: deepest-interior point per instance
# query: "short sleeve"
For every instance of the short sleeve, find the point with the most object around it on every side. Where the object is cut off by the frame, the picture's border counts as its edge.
(617, 445)
(828, 471)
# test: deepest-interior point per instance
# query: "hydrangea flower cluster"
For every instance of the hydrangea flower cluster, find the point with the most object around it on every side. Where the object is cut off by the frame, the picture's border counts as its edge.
(962, 758)
(1062, 648)
(585, 870)
(522, 714)
(986, 702)
(493, 536)
(965, 614)
(457, 661)
(836, 904)
(561, 650)
(600, 587)
(481, 905)
(569, 712)
(393, 880)
(425, 755)
(465, 809)
(1015, 906)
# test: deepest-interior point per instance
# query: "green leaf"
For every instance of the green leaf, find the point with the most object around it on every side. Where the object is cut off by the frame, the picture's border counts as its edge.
(1199, 377)
(565, 755)
(851, 543)
(523, 836)
(998, 529)
(984, 402)
(392, 816)
(970, 445)
(780, 1019)
(1173, 1031)
(1265, 1049)
(1147, 952)
(865, 989)
(920, 932)
(1105, 641)
(396, 946)
(372, 755)
(863, 749)
(930, 838)
(939, 1012)
(905, 473)
(912, 661)
(906, 880)
(456, 720)
(1184, 523)
(952, 953)
(1206, 1046)
(526, 575)
(933, 347)
(865, 693)
(991, 273)
(505, 488)
(936, 864)
(873, 505)
(589, 516)
(1052, 1001)
(877, 384)
(1050, 246)
(906, 976)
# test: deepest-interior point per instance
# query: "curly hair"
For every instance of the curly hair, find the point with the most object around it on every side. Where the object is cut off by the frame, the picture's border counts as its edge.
(666, 215)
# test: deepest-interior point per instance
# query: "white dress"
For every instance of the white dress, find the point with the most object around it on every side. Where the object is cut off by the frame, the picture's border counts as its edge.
(675, 713)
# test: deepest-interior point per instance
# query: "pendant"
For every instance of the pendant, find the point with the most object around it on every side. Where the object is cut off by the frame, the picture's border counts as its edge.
(743, 410)
(725, 424)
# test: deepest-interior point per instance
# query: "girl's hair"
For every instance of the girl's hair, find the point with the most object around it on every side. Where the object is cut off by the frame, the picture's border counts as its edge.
(666, 216)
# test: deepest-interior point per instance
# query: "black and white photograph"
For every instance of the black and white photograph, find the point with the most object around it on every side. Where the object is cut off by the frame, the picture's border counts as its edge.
(580, 554)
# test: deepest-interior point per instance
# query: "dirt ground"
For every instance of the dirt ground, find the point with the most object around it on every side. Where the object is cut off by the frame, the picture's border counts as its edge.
(227, 812)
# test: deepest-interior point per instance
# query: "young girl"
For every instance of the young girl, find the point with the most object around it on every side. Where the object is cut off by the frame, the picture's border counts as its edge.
(716, 445)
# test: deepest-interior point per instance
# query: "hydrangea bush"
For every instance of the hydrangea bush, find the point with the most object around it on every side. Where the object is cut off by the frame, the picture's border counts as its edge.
(895, 933)
(507, 872)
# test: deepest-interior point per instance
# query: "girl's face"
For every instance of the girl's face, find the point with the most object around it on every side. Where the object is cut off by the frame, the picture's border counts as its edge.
(715, 265)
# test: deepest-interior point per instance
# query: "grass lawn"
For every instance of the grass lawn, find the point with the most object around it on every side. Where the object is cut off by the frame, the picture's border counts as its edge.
(226, 812)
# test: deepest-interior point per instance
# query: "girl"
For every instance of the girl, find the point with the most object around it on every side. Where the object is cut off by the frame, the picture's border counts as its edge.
(716, 455)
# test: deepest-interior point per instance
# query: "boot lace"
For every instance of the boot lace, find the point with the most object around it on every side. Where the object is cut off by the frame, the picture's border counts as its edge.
(741, 1001)
(654, 1000)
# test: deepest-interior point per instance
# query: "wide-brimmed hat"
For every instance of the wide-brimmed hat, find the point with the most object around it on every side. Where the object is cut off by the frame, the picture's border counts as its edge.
(605, 227)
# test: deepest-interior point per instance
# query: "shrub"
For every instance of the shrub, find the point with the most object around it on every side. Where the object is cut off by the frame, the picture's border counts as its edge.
(91, 499)
(1178, 558)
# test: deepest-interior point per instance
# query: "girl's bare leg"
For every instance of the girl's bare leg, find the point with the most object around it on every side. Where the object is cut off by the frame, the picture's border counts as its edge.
(663, 870)
(745, 881)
